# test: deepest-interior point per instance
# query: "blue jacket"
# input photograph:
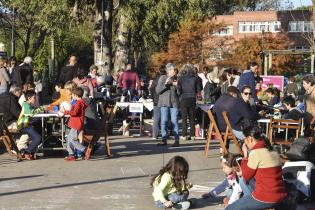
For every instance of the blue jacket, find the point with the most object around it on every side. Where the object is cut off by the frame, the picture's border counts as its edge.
(248, 78)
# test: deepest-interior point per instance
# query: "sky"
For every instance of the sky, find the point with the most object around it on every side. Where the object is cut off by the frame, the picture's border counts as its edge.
(298, 3)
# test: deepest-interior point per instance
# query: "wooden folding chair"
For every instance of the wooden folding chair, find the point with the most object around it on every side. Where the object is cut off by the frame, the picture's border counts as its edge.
(213, 128)
(92, 136)
(283, 124)
(8, 140)
(229, 133)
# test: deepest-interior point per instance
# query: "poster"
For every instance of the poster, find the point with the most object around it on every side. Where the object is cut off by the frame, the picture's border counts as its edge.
(277, 81)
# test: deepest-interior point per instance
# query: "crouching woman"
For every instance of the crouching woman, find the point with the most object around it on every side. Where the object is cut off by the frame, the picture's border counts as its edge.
(264, 165)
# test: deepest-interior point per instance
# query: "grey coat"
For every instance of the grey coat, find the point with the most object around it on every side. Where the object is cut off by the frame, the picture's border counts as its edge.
(168, 96)
(4, 80)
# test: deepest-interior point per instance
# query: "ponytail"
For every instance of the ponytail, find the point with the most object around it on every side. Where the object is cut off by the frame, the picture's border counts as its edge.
(256, 133)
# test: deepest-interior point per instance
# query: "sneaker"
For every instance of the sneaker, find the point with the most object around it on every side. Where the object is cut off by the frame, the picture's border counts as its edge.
(182, 205)
(70, 158)
(161, 143)
(176, 144)
(79, 157)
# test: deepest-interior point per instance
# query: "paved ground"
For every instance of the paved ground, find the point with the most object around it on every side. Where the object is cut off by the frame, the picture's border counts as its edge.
(119, 183)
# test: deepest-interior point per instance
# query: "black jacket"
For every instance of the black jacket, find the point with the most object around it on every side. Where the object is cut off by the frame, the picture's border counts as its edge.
(26, 73)
(211, 92)
(237, 111)
(10, 107)
(154, 95)
(67, 73)
(188, 86)
(15, 77)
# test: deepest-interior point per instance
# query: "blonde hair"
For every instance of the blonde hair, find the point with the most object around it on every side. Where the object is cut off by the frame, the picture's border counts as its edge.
(70, 85)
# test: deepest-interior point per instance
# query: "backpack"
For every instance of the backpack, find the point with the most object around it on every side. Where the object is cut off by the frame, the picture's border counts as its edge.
(301, 149)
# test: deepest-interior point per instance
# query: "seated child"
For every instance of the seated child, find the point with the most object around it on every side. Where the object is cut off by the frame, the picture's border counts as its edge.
(230, 185)
(24, 125)
(170, 187)
(65, 92)
(76, 124)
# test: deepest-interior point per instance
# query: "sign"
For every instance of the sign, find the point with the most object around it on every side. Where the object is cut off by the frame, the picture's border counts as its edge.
(276, 81)
(136, 107)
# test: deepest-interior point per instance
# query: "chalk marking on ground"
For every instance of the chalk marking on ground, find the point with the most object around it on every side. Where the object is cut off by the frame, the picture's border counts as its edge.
(200, 188)
(122, 171)
(141, 170)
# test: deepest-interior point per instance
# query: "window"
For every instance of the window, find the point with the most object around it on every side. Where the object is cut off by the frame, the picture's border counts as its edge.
(300, 26)
(226, 31)
(257, 27)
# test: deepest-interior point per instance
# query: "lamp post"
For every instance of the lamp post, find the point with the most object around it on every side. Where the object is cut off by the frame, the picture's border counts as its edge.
(262, 53)
(12, 35)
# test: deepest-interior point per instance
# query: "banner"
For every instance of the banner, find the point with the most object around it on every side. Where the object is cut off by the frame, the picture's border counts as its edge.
(276, 81)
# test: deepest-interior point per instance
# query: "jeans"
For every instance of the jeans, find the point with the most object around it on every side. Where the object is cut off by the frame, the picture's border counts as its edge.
(35, 137)
(188, 106)
(176, 198)
(164, 122)
(220, 188)
(239, 135)
(156, 121)
(73, 143)
(247, 188)
(249, 203)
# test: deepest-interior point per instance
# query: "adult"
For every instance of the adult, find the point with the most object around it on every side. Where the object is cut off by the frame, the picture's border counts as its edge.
(264, 165)
(212, 90)
(248, 78)
(93, 75)
(273, 97)
(235, 77)
(294, 112)
(237, 111)
(188, 87)
(82, 81)
(309, 86)
(156, 108)
(246, 94)
(25, 70)
(69, 72)
(9, 105)
(13, 72)
(129, 81)
(4, 77)
(168, 103)
(291, 88)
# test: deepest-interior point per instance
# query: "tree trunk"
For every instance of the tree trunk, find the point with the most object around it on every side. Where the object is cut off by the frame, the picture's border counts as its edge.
(121, 44)
(103, 57)
(313, 20)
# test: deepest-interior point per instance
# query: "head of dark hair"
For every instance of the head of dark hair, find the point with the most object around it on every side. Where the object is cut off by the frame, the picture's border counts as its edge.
(29, 94)
(252, 64)
(245, 87)
(12, 58)
(81, 73)
(309, 79)
(289, 100)
(255, 132)
(162, 70)
(78, 92)
(178, 167)
(234, 71)
(233, 90)
(270, 90)
(292, 79)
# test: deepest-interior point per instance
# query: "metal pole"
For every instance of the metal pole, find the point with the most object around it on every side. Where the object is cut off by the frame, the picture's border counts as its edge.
(12, 35)
(102, 33)
(262, 55)
(312, 63)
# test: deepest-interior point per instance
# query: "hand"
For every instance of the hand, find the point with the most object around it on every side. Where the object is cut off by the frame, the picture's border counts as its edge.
(168, 204)
(262, 113)
(245, 150)
(62, 109)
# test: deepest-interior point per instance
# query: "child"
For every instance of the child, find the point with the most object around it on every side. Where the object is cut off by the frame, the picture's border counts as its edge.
(65, 92)
(230, 185)
(25, 127)
(170, 188)
(76, 123)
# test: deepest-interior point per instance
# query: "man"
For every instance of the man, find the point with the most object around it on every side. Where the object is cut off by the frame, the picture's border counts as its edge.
(68, 73)
(237, 110)
(168, 103)
(9, 105)
(25, 70)
(248, 78)
(309, 86)
(294, 113)
(129, 81)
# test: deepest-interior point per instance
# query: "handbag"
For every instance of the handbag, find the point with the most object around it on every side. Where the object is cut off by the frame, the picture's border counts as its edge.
(300, 150)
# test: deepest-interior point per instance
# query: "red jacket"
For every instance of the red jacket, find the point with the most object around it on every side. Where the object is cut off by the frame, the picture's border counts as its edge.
(77, 113)
(265, 167)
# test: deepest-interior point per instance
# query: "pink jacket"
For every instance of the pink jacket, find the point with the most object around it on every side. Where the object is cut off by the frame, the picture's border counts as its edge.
(84, 83)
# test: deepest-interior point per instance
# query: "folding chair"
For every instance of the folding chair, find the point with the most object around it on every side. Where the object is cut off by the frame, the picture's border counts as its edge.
(92, 136)
(8, 140)
(283, 124)
(229, 133)
(213, 128)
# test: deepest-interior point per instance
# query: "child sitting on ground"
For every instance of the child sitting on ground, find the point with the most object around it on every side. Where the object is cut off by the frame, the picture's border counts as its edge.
(170, 187)
(76, 124)
(25, 127)
(230, 185)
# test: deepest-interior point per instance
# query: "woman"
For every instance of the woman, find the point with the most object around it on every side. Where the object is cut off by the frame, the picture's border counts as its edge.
(82, 81)
(4, 78)
(264, 165)
(309, 86)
